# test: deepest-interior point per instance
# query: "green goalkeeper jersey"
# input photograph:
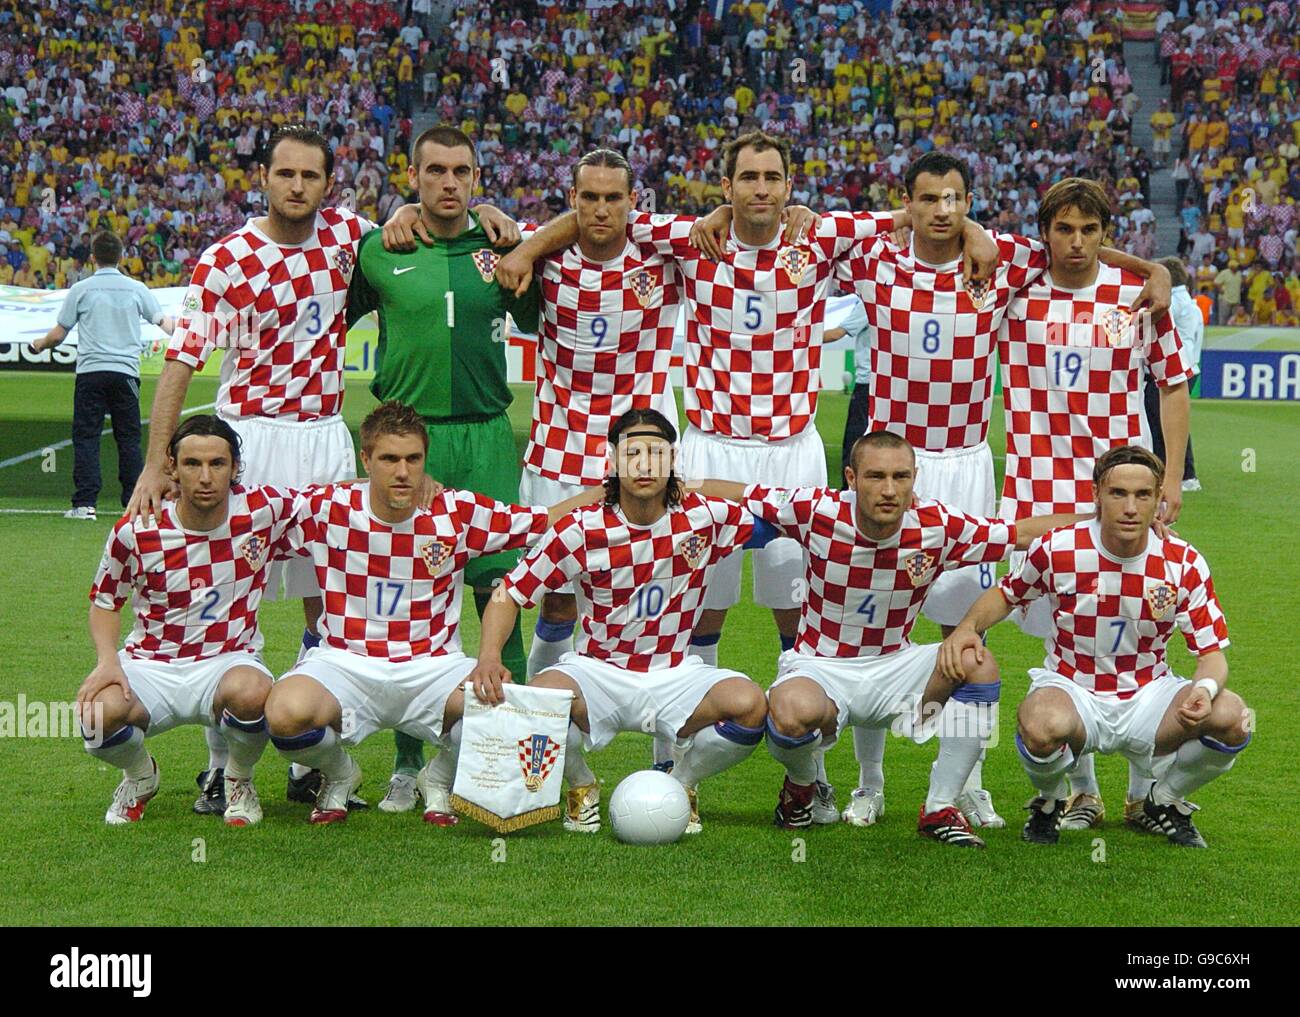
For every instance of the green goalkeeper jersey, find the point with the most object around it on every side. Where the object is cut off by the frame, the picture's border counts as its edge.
(442, 324)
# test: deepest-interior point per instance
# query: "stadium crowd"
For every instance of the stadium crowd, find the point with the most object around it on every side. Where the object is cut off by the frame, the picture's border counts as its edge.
(148, 117)
(1234, 70)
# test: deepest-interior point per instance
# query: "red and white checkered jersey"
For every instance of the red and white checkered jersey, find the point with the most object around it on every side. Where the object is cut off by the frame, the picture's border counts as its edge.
(862, 595)
(393, 590)
(604, 347)
(1072, 375)
(278, 312)
(640, 589)
(931, 344)
(195, 594)
(754, 321)
(1112, 617)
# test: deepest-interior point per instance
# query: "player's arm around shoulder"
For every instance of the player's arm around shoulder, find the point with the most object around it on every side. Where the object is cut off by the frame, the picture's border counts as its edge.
(364, 295)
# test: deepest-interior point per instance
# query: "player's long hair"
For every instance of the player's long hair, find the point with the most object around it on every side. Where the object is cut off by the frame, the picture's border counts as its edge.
(1128, 455)
(210, 425)
(644, 418)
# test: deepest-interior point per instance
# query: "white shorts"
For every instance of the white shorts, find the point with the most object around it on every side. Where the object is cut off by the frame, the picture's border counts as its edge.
(534, 489)
(1160, 145)
(179, 692)
(962, 478)
(1124, 726)
(795, 462)
(653, 702)
(1034, 618)
(378, 695)
(295, 454)
(884, 691)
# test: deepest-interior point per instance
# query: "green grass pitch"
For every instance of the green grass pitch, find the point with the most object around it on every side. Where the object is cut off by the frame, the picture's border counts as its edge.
(64, 866)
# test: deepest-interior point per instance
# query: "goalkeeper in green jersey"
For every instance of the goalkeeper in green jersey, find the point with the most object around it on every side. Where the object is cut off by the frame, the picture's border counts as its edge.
(442, 351)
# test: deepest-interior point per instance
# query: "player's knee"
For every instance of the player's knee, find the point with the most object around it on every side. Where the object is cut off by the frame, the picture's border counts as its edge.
(1041, 728)
(106, 716)
(244, 694)
(559, 608)
(788, 714)
(1231, 720)
(983, 672)
(289, 713)
(748, 705)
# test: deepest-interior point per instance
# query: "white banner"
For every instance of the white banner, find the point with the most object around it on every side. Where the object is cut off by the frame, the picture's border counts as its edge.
(511, 760)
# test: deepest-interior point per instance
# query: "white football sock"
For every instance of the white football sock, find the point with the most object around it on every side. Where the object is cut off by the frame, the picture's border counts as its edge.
(800, 761)
(976, 779)
(297, 771)
(869, 748)
(1047, 773)
(545, 652)
(442, 767)
(1195, 765)
(1139, 783)
(711, 752)
(820, 758)
(576, 771)
(129, 755)
(326, 754)
(707, 653)
(218, 750)
(958, 752)
(663, 749)
(1083, 778)
(247, 740)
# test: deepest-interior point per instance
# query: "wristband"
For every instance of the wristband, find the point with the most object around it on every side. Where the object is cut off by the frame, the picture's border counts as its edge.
(1210, 686)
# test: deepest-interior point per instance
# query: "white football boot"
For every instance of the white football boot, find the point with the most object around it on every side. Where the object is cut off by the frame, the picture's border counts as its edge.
(824, 810)
(437, 797)
(402, 794)
(866, 806)
(332, 799)
(242, 805)
(130, 798)
(977, 807)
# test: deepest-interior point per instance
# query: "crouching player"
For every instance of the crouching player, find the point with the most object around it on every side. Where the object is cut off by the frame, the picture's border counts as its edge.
(640, 563)
(872, 557)
(392, 576)
(196, 574)
(1116, 591)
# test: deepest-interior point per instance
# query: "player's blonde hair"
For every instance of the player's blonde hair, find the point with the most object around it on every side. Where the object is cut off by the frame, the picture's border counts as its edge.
(1127, 455)
(392, 417)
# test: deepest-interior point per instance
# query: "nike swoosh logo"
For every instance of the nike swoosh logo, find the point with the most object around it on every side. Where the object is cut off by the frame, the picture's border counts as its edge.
(399, 271)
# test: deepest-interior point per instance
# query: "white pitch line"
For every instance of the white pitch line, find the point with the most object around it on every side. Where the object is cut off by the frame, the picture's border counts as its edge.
(32, 512)
(68, 441)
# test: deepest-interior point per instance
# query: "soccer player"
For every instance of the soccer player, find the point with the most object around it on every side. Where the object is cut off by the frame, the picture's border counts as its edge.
(640, 563)
(873, 555)
(392, 574)
(1073, 357)
(195, 574)
(1116, 591)
(608, 312)
(932, 337)
(754, 323)
(273, 296)
(442, 338)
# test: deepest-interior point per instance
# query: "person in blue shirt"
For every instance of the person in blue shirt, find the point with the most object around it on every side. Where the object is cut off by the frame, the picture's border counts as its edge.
(106, 310)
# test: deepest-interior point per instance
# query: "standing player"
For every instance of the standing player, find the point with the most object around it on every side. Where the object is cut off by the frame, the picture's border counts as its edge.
(1073, 357)
(754, 326)
(1116, 592)
(640, 562)
(443, 326)
(196, 573)
(608, 313)
(932, 340)
(392, 575)
(873, 555)
(273, 296)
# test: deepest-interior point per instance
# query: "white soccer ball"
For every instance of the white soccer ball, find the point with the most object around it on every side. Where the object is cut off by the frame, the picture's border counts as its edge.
(649, 807)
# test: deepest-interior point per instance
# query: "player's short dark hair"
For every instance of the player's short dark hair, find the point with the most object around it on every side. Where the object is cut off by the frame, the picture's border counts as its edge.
(939, 164)
(208, 425)
(603, 157)
(304, 135)
(392, 417)
(106, 248)
(1177, 270)
(878, 439)
(641, 418)
(759, 141)
(1126, 455)
(1088, 196)
(446, 136)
